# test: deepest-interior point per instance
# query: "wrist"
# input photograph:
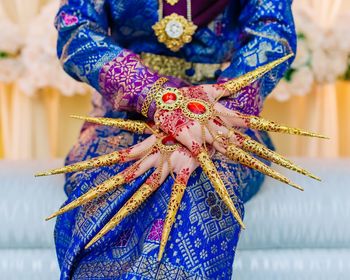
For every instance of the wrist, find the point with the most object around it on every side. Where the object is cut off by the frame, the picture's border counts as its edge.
(147, 104)
(123, 80)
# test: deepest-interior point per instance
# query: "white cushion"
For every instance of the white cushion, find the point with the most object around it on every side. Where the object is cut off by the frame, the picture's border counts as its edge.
(280, 216)
(292, 264)
(18, 264)
(26, 201)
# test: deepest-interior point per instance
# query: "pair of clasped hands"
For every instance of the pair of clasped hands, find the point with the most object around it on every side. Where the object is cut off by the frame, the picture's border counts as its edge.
(193, 135)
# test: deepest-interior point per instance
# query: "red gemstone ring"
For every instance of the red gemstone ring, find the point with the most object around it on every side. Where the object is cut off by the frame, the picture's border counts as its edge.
(197, 109)
(169, 99)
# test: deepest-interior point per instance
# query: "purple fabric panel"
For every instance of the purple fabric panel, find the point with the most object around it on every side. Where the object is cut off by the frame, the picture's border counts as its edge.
(203, 11)
(125, 82)
(248, 100)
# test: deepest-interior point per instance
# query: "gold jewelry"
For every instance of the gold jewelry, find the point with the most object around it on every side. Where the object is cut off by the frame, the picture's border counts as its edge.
(93, 193)
(133, 126)
(174, 30)
(235, 85)
(176, 196)
(195, 109)
(236, 154)
(175, 66)
(172, 2)
(210, 170)
(157, 86)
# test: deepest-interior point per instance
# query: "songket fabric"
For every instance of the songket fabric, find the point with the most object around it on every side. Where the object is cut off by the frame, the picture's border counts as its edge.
(99, 42)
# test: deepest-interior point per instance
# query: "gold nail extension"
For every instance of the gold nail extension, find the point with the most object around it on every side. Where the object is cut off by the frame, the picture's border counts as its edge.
(130, 206)
(238, 83)
(249, 145)
(130, 125)
(236, 154)
(177, 193)
(219, 186)
(99, 161)
(262, 124)
(93, 193)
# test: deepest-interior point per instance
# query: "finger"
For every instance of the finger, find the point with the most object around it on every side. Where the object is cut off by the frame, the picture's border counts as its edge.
(236, 154)
(252, 146)
(176, 196)
(235, 85)
(126, 155)
(124, 177)
(257, 123)
(229, 117)
(99, 161)
(151, 184)
(219, 186)
(215, 91)
(130, 125)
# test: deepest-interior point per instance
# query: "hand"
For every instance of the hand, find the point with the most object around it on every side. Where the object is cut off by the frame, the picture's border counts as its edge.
(158, 151)
(167, 156)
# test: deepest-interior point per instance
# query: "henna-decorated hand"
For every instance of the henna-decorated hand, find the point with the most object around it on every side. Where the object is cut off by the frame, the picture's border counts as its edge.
(158, 151)
(200, 118)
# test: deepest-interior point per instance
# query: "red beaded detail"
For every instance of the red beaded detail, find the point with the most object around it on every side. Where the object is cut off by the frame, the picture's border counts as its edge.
(196, 108)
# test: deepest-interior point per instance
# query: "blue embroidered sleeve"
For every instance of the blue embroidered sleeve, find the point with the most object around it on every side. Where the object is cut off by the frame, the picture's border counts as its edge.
(83, 45)
(267, 32)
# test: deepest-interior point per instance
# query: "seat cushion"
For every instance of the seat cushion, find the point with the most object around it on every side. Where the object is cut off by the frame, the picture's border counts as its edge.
(26, 201)
(291, 264)
(29, 264)
(280, 216)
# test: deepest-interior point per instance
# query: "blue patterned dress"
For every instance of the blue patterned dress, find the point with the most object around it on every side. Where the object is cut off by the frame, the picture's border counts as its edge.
(202, 242)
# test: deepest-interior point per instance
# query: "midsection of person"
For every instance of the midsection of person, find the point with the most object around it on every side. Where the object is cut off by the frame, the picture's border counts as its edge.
(97, 38)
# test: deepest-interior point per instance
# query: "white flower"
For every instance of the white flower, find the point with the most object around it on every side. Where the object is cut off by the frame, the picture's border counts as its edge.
(301, 81)
(10, 37)
(282, 91)
(302, 56)
(10, 70)
(42, 67)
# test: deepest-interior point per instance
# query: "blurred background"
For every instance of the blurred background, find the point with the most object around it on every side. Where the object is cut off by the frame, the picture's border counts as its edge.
(37, 97)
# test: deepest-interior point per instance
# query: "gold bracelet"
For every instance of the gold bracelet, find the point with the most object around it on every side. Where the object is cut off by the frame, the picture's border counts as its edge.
(156, 87)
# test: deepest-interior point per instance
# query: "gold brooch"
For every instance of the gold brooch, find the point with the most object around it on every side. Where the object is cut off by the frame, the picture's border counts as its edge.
(174, 31)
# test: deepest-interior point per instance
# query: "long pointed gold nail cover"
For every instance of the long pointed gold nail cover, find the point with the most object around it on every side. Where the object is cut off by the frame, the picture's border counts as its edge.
(258, 123)
(210, 170)
(129, 125)
(103, 160)
(236, 154)
(177, 193)
(252, 146)
(130, 206)
(93, 193)
(238, 83)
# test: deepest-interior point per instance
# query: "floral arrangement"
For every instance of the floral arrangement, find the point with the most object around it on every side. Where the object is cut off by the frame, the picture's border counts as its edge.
(322, 56)
(30, 60)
